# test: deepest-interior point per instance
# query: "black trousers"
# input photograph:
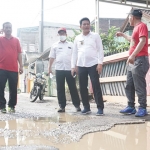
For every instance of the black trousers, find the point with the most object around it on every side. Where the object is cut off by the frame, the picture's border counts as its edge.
(12, 78)
(61, 76)
(83, 73)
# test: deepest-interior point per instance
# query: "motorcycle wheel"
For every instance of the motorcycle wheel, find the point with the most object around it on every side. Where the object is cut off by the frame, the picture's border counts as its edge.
(41, 96)
(34, 94)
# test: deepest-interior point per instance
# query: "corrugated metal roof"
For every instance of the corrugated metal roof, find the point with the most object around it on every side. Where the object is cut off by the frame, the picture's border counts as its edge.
(133, 3)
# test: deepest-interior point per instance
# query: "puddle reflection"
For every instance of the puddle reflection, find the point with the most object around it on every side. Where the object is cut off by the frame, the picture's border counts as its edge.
(42, 123)
(25, 124)
(33, 124)
(59, 118)
(120, 137)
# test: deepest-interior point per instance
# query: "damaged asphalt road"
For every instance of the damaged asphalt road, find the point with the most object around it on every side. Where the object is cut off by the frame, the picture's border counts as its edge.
(41, 120)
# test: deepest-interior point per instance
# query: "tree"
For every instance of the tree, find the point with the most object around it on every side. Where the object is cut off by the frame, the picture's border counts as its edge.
(110, 42)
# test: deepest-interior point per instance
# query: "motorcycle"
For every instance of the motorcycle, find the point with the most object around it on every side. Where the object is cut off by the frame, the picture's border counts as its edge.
(39, 86)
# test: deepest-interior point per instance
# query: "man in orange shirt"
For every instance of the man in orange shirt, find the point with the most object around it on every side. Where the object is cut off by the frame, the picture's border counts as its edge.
(138, 65)
(10, 56)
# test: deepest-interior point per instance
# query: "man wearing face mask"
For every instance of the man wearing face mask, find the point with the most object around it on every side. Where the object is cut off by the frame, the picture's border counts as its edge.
(61, 51)
(138, 65)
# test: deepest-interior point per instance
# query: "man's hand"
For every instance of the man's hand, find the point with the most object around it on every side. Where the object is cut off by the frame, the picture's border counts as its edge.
(131, 59)
(119, 34)
(50, 71)
(20, 70)
(74, 70)
(99, 68)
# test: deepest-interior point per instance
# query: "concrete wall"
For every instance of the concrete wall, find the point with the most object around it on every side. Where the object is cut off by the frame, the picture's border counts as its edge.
(51, 36)
(29, 37)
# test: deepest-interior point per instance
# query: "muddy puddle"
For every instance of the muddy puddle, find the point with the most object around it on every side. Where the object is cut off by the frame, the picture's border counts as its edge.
(42, 123)
(120, 137)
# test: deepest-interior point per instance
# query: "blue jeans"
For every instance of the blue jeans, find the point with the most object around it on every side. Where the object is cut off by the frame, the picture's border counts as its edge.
(136, 81)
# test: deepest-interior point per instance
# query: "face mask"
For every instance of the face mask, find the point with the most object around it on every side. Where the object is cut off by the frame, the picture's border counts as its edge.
(62, 38)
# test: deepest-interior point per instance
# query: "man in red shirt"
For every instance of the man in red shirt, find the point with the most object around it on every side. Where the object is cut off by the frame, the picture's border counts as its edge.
(10, 56)
(138, 65)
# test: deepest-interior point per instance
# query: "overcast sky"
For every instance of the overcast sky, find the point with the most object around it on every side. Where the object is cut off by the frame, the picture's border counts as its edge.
(26, 13)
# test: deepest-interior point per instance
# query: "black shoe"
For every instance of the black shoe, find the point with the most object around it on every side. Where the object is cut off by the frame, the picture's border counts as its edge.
(3, 110)
(11, 110)
(86, 111)
(78, 108)
(100, 112)
(61, 110)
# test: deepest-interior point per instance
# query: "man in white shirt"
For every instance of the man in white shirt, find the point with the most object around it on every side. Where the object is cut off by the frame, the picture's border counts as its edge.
(87, 59)
(61, 51)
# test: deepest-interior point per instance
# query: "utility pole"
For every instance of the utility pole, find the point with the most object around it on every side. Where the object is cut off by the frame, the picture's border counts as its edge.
(97, 16)
(41, 28)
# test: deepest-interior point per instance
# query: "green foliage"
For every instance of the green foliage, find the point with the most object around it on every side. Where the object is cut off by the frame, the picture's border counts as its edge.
(110, 42)
(123, 45)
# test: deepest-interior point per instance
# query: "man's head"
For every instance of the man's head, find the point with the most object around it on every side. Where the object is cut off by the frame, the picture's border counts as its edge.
(62, 34)
(7, 28)
(85, 25)
(134, 16)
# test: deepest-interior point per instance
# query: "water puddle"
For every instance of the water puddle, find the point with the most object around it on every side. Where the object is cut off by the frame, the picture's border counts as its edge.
(20, 131)
(42, 123)
(59, 118)
(25, 124)
(120, 137)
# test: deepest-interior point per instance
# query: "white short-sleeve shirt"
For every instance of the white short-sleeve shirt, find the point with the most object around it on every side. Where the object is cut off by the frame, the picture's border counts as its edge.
(62, 53)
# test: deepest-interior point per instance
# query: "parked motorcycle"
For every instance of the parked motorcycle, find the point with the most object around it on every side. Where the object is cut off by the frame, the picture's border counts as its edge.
(39, 86)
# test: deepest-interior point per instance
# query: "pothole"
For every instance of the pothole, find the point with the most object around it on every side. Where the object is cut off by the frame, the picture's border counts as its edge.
(120, 137)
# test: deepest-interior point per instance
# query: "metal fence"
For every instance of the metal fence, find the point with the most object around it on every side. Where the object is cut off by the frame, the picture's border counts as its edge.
(113, 70)
(113, 88)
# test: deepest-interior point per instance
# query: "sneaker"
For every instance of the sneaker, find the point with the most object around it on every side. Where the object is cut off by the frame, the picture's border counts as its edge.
(78, 109)
(128, 110)
(3, 110)
(11, 110)
(141, 112)
(100, 112)
(86, 111)
(61, 110)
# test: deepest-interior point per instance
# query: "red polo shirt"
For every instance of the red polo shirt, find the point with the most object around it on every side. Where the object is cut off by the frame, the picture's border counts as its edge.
(140, 30)
(9, 49)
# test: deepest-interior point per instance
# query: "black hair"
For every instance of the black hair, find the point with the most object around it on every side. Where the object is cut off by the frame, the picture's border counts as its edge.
(6, 23)
(83, 19)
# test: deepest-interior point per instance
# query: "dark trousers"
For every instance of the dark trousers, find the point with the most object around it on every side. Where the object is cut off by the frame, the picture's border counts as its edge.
(12, 78)
(61, 76)
(83, 73)
(136, 81)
